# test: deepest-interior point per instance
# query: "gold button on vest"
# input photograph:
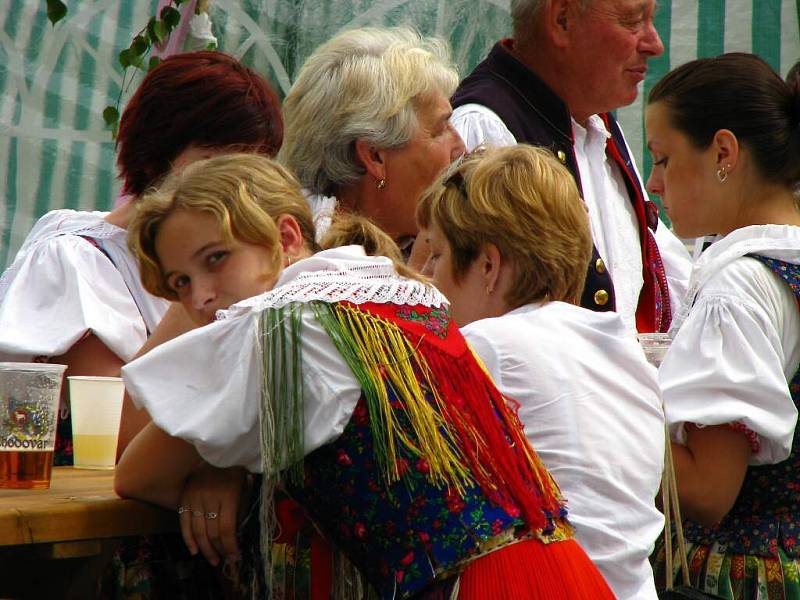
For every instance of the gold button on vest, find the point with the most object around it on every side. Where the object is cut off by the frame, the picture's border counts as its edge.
(601, 297)
(600, 266)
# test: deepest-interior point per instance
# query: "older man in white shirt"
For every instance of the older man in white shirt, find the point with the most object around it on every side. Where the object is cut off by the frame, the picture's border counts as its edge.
(551, 86)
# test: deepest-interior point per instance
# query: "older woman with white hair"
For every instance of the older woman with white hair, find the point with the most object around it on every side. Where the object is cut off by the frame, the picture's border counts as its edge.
(367, 126)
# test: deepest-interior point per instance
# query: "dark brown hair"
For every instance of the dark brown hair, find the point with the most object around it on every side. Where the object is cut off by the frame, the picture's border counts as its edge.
(742, 93)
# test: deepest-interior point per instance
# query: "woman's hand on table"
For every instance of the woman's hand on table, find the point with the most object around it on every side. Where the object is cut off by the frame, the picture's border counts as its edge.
(209, 509)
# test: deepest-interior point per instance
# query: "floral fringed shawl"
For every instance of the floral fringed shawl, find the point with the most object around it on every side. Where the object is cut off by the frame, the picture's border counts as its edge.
(457, 420)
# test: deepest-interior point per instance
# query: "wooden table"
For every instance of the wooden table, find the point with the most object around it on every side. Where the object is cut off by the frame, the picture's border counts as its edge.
(53, 542)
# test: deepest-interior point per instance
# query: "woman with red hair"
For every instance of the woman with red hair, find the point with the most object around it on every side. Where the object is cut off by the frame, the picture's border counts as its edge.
(73, 293)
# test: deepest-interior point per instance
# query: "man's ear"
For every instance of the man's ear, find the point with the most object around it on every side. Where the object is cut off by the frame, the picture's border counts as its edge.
(555, 21)
(372, 158)
(290, 236)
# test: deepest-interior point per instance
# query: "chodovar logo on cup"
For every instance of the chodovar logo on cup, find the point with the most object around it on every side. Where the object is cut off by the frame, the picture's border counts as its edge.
(29, 396)
(96, 408)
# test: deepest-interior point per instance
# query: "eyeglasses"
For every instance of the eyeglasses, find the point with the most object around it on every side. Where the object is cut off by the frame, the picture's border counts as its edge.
(455, 176)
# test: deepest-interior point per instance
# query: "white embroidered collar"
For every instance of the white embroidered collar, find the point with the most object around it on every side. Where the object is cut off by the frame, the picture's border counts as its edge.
(339, 275)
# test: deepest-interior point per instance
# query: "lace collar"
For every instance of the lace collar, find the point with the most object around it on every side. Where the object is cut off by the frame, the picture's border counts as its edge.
(341, 275)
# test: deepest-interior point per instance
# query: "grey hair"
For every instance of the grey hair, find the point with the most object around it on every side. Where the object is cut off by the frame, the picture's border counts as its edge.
(364, 84)
(524, 13)
(525, 16)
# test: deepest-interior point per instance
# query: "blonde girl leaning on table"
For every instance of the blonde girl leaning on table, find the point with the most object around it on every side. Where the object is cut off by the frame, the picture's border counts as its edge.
(725, 138)
(226, 493)
(349, 384)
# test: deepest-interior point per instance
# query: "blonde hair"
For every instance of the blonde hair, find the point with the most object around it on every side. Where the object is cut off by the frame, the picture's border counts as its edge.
(364, 84)
(525, 202)
(349, 228)
(245, 192)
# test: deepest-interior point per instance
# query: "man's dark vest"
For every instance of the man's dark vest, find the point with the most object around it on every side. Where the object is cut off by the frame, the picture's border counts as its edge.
(535, 115)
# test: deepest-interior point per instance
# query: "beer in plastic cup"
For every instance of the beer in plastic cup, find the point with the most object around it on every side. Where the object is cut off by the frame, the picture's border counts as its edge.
(96, 408)
(29, 395)
(655, 346)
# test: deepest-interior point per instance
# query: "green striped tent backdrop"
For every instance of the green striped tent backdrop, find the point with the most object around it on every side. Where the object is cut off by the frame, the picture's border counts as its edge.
(55, 81)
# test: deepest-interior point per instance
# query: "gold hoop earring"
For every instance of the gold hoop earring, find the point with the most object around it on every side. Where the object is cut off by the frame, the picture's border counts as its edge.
(381, 184)
(288, 260)
(722, 173)
(489, 290)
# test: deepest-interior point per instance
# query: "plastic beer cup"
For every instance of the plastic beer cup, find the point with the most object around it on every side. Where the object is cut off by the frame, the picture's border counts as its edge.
(29, 396)
(96, 408)
(655, 346)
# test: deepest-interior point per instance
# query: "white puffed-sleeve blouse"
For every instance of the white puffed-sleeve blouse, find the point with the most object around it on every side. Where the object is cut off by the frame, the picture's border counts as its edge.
(737, 342)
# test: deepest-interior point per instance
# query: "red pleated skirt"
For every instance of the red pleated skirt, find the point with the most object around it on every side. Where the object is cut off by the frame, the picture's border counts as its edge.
(531, 570)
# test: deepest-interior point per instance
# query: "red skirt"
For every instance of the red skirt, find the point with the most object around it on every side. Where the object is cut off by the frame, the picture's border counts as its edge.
(531, 570)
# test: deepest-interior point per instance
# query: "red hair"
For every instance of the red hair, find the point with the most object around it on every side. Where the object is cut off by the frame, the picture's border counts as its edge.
(204, 99)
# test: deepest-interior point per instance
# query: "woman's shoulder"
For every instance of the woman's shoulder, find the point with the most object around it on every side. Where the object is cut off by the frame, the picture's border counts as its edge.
(58, 250)
(746, 280)
(554, 330)
(730, 263)
(553, 320)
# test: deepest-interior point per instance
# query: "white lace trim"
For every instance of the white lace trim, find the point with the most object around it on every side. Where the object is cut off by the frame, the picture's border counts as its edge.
(373, 283)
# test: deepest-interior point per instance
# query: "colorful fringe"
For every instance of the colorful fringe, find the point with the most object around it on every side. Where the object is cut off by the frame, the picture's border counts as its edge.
(734, 576)
(471, 435)
(280, 416)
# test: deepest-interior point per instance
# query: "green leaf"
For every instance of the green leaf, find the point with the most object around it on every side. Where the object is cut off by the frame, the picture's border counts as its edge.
(171, 17)
(162, 31)
(110, 116)
(153, 63)
(139, 45)
(56, 10)
(129, 58)
(151, 31)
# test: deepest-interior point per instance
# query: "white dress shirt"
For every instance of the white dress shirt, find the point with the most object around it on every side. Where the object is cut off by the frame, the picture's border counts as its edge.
(591, 408)
(615, 228)
(60, 287)
(737, 342)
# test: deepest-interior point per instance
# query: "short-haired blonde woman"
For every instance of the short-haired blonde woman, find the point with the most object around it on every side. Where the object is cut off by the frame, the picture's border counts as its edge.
(351, 386)
(367, 125)
(588, 399)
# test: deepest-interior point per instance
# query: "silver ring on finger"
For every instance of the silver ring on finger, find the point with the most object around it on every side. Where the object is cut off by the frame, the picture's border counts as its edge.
(211, 515)
(197, 513)
(183, 509)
